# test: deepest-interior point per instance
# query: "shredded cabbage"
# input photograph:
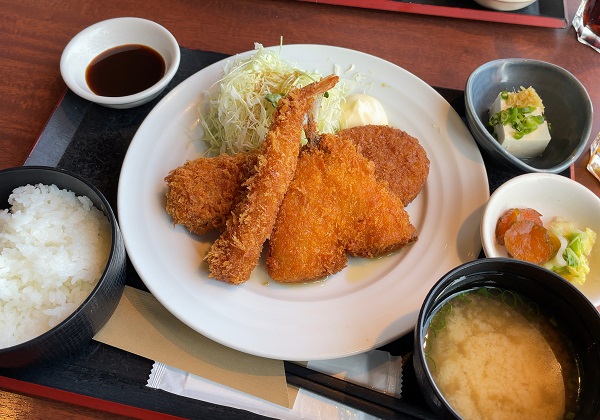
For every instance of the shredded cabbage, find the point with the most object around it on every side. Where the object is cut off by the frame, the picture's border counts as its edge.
(571, 260)
(241, 104)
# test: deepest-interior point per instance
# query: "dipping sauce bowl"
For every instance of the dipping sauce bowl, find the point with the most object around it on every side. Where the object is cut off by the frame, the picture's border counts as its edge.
(139, 58)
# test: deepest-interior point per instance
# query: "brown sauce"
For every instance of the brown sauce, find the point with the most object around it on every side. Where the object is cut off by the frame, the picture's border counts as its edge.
(125, 70)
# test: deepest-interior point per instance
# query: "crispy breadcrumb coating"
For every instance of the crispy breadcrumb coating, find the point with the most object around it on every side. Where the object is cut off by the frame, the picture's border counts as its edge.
(236, 252)
(202, 192)
(334, 206)
(399, 158)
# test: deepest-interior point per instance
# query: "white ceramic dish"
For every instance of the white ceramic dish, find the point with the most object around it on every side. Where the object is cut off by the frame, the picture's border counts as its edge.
(552, 195)
(370, 302)
(505, 5)
(96, 39)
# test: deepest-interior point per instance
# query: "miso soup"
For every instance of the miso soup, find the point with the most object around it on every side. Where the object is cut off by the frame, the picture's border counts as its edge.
(494, 354)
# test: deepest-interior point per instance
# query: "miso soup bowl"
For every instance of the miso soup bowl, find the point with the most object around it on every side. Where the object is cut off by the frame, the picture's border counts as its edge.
(576, 314)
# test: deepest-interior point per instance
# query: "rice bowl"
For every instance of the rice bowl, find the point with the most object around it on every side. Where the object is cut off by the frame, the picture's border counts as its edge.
(54, 247)
(82, 305)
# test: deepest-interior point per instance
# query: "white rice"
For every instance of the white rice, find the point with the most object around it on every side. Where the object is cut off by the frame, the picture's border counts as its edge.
(54, 248)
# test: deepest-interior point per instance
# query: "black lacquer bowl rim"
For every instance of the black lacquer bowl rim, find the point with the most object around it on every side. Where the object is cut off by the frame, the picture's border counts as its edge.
(576, 312)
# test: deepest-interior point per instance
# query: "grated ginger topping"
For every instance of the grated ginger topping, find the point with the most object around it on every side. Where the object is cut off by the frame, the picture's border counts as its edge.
(525, 97)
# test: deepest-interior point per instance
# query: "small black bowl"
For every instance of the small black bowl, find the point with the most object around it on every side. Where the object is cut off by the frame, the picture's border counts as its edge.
(80, 327)
(578, 316)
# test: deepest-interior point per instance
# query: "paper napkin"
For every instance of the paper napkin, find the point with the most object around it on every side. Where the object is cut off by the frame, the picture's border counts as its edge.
(141, 325)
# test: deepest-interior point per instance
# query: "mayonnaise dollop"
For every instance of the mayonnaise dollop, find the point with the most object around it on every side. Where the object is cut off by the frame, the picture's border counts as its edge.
(360, 109)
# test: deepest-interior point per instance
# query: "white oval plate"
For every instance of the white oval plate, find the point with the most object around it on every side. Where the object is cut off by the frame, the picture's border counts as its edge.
(553, 196)
(369, 303)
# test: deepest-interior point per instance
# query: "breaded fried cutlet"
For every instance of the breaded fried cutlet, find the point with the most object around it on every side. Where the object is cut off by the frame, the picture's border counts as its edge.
(399, 158)
(236, 252)
(335, 206)
(201, 193)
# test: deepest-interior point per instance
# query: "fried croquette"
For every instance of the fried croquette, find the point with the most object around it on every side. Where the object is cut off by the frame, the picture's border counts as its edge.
(334, 206)
(399, 158)
(236, 252)
(202, 192)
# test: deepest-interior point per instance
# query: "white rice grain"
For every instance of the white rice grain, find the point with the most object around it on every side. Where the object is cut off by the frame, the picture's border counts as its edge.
(54, 248)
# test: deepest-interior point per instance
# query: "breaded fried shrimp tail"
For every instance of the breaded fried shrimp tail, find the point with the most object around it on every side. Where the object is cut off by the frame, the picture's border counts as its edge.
(236, 252)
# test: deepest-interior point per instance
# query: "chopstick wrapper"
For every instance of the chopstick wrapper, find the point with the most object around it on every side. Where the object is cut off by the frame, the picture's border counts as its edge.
(376, 369)
(141, 325)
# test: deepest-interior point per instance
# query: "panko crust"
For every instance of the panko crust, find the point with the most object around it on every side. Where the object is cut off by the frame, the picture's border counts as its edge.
(202, 193)
(236, 252)
(399, 157)
(334, 206)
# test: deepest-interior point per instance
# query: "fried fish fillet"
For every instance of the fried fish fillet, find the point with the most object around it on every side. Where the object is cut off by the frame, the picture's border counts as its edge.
(399, 158)
(236, 252)
(202, 192)
(334, 206)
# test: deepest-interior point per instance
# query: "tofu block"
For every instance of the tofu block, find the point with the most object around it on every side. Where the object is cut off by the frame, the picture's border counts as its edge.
(530, 145)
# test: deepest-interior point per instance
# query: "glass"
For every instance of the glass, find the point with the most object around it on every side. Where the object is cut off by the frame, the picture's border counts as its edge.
(587, 23)
(594, 162)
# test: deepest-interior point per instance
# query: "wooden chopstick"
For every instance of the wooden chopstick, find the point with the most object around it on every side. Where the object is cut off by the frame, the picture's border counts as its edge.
(356, 396)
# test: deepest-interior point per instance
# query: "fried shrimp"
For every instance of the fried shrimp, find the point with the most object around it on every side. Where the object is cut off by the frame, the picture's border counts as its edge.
(236, 252)
(334, 206)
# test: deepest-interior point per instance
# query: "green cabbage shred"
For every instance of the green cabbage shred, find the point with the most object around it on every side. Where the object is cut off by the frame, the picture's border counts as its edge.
(572, 263)
(240, 105)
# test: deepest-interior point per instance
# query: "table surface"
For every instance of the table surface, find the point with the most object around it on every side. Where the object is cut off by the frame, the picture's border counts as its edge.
(441, 51)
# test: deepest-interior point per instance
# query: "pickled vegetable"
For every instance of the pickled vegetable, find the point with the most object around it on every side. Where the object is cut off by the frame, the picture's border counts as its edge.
(514, 215)
(528, 241)
(561, 248)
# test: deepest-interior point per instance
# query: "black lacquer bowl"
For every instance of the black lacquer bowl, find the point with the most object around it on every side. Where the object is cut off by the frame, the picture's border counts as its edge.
(578, 316)
(80, 327)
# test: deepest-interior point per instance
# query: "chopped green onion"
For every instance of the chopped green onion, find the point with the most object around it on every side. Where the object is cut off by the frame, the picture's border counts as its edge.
(504, 95)
(508, 298)
(517, 117)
